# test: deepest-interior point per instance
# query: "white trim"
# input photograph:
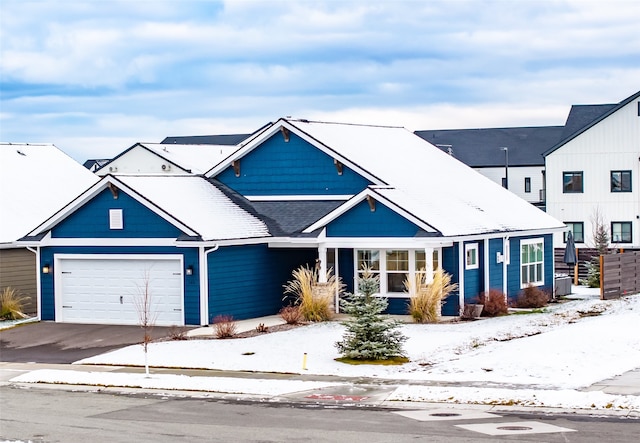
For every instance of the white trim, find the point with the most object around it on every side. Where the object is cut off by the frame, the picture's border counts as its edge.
(270, 198)
(486, 265)
(116, 219)
(204, 285)
(94, 190)
(469, 247)
(532, 241)
(357, 199)
(57, 273)
(275, 128)
(108, 242)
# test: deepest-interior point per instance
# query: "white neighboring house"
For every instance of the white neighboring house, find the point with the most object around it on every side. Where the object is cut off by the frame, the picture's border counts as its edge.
(167, 159)
(36, 181)
(597, 168)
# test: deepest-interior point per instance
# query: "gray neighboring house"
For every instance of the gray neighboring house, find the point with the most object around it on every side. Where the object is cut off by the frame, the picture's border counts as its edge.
(36, 181)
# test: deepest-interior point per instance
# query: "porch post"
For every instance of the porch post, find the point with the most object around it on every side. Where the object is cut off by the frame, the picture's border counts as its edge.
(322, 256)
(428, 255)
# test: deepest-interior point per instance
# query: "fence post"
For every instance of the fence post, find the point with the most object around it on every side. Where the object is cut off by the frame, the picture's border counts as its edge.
(602, 277)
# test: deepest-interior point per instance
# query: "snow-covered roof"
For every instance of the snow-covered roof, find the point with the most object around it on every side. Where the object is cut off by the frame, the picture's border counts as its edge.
(426, 182)
(198, 204)
(189, 202)
(36, 180)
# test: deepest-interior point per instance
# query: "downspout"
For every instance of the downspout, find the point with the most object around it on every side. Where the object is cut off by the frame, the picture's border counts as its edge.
(461, 260)
(486, 267)
(506, 254)
(204, 283)
(38, 283)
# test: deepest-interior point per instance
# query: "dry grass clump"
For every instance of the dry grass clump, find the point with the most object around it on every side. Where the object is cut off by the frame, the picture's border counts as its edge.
(291, 315)
(11, 304)
(426, 299)
(532, 297)
(315, 300)
(224, 326)
(495, 303)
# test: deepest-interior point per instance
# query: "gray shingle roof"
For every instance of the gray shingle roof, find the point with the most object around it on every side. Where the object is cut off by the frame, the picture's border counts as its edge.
(481, 147)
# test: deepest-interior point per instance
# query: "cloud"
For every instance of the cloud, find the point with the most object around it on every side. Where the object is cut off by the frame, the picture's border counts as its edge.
(92, 71)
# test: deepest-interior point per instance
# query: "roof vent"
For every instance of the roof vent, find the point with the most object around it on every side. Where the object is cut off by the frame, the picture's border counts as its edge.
(166, 167)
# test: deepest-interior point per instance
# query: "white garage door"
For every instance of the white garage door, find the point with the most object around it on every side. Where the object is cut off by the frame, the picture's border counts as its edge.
(109, 289)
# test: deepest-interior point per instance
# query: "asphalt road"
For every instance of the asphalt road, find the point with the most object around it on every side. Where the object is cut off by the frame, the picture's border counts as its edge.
(55, 415)
(50, 342)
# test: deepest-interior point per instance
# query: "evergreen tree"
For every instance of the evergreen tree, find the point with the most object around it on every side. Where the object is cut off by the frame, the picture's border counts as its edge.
(369, 335)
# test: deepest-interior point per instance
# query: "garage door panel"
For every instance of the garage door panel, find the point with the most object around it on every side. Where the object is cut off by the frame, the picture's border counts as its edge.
(99, 290)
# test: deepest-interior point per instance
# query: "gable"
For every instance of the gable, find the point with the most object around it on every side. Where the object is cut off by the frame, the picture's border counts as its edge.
(91, 220)
(361, 221)
(280, 168)
(140, 160)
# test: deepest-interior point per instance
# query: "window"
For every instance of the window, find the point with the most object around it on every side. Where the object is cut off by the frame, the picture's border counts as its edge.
(621, 232)
(394, 266)
(527, 184)
(471, 254)
(532, 262)
(397, 270)
(572, 182)
(115, 219)
(577, 229)
(620, 181)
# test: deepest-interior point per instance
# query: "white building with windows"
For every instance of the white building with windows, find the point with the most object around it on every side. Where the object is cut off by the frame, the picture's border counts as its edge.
(596, 170)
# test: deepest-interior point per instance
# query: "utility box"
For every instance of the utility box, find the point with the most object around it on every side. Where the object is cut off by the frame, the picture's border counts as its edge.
(563, 285)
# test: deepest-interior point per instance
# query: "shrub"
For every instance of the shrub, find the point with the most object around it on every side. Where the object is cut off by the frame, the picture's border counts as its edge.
(11, 304)
(425, 302)
(315, 304)
(177, 332)
(369, 335)
(291, 315)
(532, 297)
(495, 303)
(224, 326)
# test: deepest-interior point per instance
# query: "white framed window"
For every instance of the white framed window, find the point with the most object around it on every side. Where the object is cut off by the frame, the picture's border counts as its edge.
(532, 262)
(116, 220)
(394, 266)
(471, 256)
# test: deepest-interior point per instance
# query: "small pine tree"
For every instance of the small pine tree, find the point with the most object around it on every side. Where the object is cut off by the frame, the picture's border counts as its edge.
(369, 335)
(601, 244)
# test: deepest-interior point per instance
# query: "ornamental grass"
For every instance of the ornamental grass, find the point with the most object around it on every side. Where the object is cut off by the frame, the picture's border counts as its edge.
(315, 300)
(11, 304)
(426, 299)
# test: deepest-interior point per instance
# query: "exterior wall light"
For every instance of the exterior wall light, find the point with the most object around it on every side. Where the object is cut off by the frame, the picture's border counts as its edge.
(46, 268)
(189, 270)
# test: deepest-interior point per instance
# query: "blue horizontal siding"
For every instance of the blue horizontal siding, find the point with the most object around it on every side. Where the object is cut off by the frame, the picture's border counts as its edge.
(246, 281)
(474, 278)
(514, 270)
(191, 282)
(495, 268)
(296, 167)
(360, 221)
(450, 266)
(92, 220)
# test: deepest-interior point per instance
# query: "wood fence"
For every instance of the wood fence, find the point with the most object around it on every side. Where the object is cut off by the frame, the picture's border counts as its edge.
(620, 274)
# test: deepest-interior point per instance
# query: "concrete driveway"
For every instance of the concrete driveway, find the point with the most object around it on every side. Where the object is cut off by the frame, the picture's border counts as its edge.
(49, 342)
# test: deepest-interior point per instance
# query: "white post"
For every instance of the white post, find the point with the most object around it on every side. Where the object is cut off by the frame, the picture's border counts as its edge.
(428, 255)
(322, 256)
(461, 266)
(486, 266)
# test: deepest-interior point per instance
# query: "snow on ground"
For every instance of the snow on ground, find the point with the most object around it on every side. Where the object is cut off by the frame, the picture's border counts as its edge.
(534, 359)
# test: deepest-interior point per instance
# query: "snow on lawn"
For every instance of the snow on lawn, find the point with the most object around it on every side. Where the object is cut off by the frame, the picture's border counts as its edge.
(572, 345)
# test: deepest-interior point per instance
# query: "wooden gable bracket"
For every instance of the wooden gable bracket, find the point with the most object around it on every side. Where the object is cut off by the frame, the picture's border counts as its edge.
(372, 203)
(338, 165)
(285, 134)
(236, 167)
(114, 190)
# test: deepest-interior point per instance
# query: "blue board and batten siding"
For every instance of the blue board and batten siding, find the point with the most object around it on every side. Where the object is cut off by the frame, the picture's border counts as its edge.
(496, 246)
(92, 221)
(290, 168)
(514, 270)
(474, 278)
(246, 281)
(361, 221)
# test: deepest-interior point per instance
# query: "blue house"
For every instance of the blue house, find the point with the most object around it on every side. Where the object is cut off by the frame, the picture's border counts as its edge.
(296, 192)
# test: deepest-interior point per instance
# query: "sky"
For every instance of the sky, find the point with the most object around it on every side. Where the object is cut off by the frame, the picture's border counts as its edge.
(545, 359)
(96, 76)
